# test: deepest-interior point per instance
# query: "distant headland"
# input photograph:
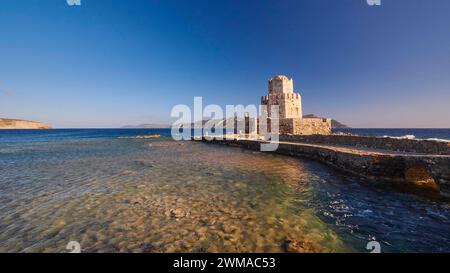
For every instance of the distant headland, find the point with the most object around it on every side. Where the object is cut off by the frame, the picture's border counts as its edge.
(21, 124)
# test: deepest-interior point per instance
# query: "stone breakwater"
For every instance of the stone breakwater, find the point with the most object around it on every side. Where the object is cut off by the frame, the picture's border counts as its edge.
(399, 163)
(385, 143)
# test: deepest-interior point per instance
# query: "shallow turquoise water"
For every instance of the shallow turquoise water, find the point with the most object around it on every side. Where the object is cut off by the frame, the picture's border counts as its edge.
(158, 195)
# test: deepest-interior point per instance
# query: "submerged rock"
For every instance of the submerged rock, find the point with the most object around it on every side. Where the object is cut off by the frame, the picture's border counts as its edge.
(301, 245)
(177, 213)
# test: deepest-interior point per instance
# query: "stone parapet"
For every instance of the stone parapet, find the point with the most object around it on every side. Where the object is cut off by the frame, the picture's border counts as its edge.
(305, 126)
(384, 143)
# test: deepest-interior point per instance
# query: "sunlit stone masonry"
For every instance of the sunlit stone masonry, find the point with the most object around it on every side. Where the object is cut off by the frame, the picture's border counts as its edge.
(291, 121)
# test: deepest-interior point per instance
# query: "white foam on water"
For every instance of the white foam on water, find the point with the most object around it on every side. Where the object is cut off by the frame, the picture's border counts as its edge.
(439, 139)
(402, 137)
(414, 138)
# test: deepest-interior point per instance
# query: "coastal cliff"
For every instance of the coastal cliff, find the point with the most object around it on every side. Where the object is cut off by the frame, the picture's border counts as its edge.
(21, 124)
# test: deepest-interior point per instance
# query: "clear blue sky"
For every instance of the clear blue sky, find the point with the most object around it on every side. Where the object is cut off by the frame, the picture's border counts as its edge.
(110, 63)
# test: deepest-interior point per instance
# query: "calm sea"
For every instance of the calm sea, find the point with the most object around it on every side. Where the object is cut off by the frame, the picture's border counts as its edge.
(156, 195)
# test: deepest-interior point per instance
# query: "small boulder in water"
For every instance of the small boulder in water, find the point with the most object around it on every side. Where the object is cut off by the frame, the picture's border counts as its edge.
(177, 213)
(301, 245)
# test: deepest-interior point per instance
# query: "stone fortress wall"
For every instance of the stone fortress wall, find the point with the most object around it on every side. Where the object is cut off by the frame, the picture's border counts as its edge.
(305, 126)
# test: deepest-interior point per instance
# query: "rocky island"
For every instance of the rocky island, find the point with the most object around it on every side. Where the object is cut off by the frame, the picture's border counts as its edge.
(21, 124)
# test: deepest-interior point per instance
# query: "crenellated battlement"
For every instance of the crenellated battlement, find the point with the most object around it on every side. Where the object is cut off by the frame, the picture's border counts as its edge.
(281, 84)
(281, 93)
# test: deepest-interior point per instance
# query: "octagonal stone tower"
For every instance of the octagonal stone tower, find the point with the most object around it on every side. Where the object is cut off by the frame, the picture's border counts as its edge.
(281, 84)
(291, 121)
(281, 93)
